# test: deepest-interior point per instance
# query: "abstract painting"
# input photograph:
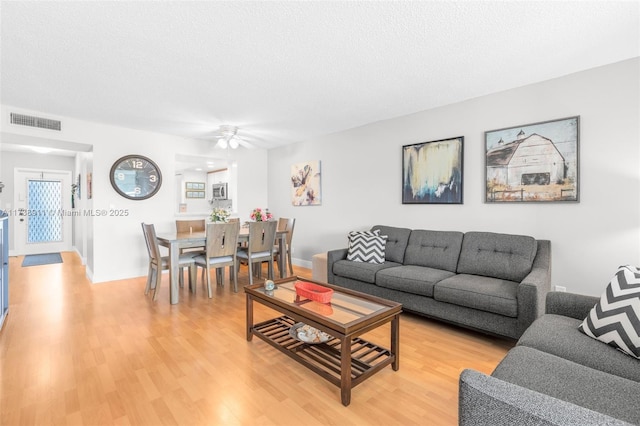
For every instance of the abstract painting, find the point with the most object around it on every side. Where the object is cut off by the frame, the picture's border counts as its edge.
(533, 163)
(432, 172)
(305, 184)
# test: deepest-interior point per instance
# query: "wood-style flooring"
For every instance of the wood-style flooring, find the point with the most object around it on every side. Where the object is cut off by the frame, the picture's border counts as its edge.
(76, 353)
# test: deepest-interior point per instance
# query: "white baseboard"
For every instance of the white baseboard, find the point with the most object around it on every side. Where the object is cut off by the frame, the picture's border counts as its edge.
(83, 260)
(301, 262)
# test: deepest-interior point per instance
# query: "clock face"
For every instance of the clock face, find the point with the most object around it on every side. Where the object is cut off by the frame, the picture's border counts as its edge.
(135, 177)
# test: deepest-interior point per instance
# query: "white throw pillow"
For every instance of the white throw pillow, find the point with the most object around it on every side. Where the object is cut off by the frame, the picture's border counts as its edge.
(615, 319)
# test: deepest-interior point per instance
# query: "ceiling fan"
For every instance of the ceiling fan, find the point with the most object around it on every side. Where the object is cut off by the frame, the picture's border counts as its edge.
(228, 138)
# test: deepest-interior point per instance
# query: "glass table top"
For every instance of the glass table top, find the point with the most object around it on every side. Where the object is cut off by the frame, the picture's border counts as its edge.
(342, 309)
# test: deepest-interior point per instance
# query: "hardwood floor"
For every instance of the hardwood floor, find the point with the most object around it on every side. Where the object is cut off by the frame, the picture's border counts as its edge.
(72, 352)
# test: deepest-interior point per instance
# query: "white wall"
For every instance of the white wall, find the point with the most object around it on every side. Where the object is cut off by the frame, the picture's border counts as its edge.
(362, 175)
(194, 205)
(251, 175)
(118, 246)
(83, 224)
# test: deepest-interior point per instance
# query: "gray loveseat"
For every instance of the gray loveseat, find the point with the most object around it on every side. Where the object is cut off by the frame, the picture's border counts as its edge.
(556, 375)
(495, 283)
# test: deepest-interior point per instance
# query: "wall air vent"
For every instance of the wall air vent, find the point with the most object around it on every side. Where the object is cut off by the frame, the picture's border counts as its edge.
(39, 122)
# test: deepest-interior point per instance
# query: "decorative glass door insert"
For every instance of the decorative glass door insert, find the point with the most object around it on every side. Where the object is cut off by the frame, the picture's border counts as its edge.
(44, 211)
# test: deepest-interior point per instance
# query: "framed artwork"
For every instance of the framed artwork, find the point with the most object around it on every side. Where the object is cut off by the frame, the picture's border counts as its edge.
(533, 162)
(306, 184)
(89, 185)
(194, 194)
(432, 172)
(198, 186)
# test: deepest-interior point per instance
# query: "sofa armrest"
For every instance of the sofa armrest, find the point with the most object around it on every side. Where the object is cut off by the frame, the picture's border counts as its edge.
(332, 257)
(570, 304)
(486, 400)
(533, 290)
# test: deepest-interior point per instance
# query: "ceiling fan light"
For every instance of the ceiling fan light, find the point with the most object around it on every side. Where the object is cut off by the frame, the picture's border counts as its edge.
(222, 143)
(233, 143)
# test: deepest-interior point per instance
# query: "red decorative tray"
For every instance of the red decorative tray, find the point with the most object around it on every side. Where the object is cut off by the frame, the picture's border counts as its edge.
(313, 291)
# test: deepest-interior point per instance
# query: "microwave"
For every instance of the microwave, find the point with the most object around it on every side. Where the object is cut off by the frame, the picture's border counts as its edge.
(219, 191)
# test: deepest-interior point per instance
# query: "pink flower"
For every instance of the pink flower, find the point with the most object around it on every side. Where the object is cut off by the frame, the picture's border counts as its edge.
(259, 215)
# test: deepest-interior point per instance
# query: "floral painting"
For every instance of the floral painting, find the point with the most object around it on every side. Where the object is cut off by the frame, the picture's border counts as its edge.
(432, 172)
(305, 184)
(533, 162)
(89, 185)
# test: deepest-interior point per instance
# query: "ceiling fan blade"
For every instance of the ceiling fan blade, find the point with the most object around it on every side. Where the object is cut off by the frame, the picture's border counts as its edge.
(244, 143)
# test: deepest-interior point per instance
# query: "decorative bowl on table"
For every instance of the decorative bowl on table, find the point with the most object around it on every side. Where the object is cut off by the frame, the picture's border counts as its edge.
(313, 291)
(307, 334)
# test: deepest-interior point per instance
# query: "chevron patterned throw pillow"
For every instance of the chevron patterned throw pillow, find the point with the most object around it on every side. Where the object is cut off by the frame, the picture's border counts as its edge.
(615, 319)
(366, 246)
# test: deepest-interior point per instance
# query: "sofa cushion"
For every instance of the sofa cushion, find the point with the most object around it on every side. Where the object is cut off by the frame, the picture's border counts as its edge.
(505, 256)
(396, 241)
(559, 335)
(366, 247)
(482, 293)
(411, 279)
(434, 249)
(361, 271)
(571, 382)
(615, 319)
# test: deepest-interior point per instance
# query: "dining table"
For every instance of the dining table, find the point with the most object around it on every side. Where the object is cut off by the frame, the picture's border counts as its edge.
(176, 241)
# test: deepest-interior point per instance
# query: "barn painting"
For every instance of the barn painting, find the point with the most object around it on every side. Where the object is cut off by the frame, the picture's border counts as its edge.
(533, 162)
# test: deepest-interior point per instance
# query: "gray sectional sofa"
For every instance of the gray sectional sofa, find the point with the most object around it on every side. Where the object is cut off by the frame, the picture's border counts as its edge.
(556, 375)
(495, 283)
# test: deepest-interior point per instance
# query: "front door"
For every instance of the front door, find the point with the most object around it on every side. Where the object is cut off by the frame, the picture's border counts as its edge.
(42, 221)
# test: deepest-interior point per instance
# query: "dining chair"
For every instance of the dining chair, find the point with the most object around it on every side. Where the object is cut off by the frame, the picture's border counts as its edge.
(222, 244)
(236, 220)
(197, 225)
(287, 225)
(259, 247)
(158, 263)
(190, 225)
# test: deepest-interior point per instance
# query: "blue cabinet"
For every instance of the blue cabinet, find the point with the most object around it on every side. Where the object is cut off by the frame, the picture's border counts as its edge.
(4, 273)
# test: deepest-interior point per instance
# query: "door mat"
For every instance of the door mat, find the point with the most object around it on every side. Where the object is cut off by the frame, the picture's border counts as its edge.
(41, 259)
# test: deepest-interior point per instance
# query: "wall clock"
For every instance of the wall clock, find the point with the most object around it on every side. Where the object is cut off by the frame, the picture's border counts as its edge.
(135, 177)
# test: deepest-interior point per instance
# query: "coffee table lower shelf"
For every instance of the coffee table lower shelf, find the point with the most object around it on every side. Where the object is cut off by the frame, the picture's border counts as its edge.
(325, 358)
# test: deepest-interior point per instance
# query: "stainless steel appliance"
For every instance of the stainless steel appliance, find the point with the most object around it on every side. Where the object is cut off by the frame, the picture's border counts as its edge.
(220, 191)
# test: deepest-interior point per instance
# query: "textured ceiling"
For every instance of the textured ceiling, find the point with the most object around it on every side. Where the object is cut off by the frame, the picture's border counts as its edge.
(290, 71)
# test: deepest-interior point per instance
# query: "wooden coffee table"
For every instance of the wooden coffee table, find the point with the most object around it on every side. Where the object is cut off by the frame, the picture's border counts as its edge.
(345, 360)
